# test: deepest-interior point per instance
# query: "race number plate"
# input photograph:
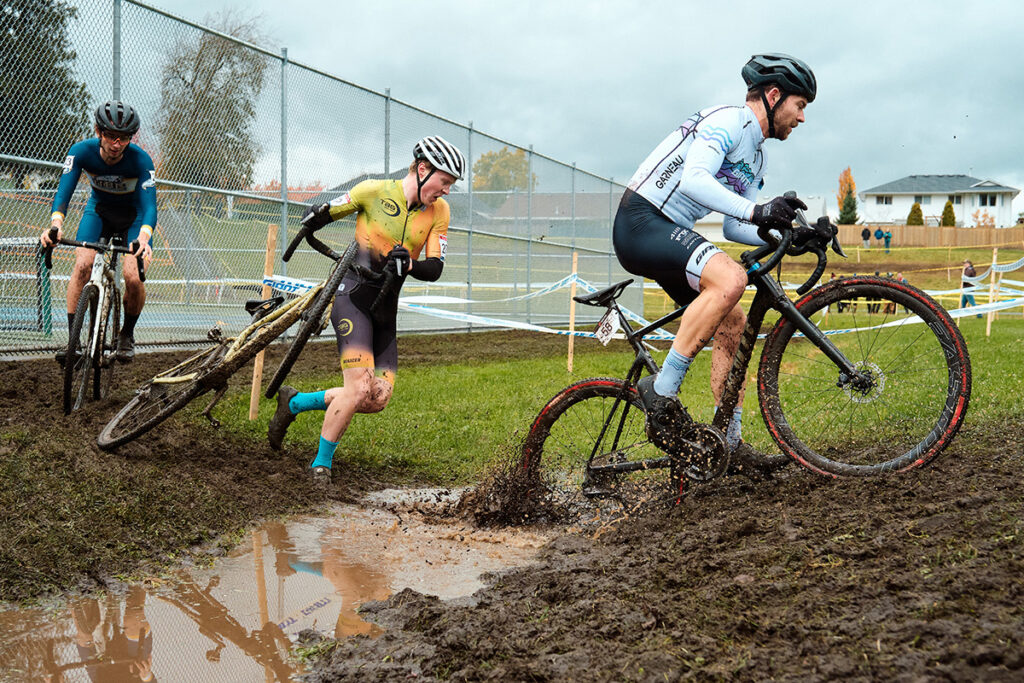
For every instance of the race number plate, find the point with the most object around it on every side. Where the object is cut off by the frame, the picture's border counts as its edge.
(607, 327)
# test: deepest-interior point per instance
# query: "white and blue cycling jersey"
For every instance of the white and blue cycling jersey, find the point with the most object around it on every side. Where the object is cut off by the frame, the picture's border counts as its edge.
(713, 162)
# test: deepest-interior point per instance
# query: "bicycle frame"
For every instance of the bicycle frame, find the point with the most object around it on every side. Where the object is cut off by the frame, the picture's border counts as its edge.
(104, 277)
(769, 296)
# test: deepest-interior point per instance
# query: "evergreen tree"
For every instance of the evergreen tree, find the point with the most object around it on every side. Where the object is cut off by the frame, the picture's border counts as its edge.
(208, 105)
(43, 108)
(948, 217)
(848, 210)
(916, 216)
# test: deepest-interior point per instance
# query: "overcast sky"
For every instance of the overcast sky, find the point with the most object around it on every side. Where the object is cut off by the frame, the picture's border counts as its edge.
(903, 88)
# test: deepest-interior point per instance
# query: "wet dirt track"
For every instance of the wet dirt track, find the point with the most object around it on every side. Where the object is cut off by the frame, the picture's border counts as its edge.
(911, 578)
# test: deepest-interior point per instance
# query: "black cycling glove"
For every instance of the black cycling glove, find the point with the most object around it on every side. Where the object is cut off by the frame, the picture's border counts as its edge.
(776, 214)
(317, 216)
(402, 259)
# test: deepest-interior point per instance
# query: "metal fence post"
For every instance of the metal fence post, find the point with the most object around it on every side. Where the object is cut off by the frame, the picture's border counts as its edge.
(529, 227)
(387, 132)
(611, 223)
(283, 230)
(115, 71)
(469, 237)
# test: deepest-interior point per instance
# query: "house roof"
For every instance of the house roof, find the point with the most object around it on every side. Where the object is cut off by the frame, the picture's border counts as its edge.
(936, 184)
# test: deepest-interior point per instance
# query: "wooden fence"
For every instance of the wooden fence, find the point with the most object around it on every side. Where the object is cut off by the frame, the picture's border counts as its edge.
(932, 236)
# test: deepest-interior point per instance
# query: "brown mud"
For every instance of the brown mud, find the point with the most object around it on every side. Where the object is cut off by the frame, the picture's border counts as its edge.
(915, 577)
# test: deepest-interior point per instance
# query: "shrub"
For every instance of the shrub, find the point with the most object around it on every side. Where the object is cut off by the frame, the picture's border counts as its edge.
(915, 217)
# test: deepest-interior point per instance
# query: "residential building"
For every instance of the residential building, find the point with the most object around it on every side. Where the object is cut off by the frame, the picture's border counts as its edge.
(891, 202)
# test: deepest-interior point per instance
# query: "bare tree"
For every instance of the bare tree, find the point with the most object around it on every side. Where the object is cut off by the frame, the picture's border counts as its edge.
(208, 100)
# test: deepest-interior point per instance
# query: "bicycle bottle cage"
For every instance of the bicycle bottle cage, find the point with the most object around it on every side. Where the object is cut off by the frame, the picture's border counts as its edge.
(259, 308)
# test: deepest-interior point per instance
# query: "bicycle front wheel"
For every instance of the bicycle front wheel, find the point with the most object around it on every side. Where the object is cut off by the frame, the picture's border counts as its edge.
(107, 346)
(590, 439)
(313, 319)
(910, 409)
(79, 370)
(161, 397)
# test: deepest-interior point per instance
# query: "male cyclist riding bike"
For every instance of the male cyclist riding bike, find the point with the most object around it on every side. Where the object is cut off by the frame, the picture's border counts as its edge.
(122, 203)
(713, 162)
(396, 221)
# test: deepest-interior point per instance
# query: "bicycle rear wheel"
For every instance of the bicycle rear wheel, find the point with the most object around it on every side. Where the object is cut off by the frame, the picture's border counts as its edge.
(914, 404)
(78, 361)
(587, 429)
(161, 397)
(313, 319)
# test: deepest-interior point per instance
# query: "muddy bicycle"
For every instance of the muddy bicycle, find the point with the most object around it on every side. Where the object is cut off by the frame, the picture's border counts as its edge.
(861, 393)
(88, 361)
(210, 369)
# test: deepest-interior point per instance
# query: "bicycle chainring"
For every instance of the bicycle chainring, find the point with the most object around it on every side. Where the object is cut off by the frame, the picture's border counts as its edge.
(701, 452)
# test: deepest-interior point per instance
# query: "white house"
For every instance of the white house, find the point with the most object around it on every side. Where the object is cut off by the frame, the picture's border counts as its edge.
(891, 202)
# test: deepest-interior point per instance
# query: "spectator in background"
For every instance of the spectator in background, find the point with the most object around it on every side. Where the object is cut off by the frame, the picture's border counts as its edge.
(888, 240)
(966, 295)
(865, 236)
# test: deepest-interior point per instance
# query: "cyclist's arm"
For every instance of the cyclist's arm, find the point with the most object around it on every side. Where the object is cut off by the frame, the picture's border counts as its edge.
(736, 230)
(435, 249)
(146, 193)
(703, 161)
(68, 181)
(352, 201)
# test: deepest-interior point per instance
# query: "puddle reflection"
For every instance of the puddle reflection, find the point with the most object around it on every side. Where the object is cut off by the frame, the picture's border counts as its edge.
(237, 620)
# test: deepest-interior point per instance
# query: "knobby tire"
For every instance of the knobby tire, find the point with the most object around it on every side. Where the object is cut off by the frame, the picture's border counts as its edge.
(915, 404)
(78, 372)
(312, 319)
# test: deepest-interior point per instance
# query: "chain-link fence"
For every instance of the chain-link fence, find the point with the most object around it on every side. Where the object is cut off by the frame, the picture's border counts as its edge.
(244, 138)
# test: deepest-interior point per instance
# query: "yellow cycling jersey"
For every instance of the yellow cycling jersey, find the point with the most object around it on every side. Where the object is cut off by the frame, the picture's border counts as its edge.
(384, 220)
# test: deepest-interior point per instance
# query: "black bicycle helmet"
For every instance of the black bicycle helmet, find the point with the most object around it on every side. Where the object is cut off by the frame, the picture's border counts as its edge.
(792, 76)
(117, 117)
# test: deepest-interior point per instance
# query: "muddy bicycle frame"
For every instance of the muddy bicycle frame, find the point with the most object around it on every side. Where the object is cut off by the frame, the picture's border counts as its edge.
(769, 296)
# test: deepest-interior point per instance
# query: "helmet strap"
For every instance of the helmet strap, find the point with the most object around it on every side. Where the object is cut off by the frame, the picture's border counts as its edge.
(421, 182)
(770, 111)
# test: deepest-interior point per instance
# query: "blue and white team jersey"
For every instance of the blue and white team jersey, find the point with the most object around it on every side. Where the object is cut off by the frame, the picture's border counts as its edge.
(129, 182)
(713, 162)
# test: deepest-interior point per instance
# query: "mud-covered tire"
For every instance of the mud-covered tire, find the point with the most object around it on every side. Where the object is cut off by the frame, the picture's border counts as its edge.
(915, 404)
(312, 319)
(159, 398)
(594, 422)
(79, 371)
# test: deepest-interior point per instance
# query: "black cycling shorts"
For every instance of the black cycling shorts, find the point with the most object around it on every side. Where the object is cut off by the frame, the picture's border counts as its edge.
(365, 340)
(648, 244)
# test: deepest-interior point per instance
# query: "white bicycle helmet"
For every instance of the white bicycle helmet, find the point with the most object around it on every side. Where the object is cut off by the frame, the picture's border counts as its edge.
(441, 154)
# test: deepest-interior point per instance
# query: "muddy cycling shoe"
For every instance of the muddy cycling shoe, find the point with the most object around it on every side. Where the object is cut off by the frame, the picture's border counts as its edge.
(125, 348)
(666, 416)
(282, 418)
(750, 462)
(320, 476)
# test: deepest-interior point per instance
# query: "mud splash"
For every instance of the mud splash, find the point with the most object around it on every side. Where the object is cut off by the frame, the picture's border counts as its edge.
(239, 619)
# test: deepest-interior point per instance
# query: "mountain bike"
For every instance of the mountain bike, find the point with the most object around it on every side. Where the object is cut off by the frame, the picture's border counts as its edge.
(861, 393)
(88, 361)
(209, 370)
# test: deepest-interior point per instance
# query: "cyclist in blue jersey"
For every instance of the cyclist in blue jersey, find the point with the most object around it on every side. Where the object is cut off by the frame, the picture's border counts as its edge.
(713, 162)
(122, 203)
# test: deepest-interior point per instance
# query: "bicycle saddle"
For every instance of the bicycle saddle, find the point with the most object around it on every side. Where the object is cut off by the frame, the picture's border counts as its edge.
(263, 306)
(603, 297)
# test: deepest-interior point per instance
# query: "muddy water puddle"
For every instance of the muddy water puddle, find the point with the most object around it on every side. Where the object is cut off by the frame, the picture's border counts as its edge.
(237, 620)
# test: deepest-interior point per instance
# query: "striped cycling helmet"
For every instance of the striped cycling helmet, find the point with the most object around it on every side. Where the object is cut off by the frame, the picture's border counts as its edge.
(441, 154)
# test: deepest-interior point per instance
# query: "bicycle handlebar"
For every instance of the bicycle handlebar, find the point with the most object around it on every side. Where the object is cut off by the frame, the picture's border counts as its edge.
(826, 235)
(95, 246)
(306, 233)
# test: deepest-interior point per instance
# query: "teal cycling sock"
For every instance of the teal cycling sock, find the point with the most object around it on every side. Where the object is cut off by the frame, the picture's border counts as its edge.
(672, 373)
(325, 456)
(314, 400)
